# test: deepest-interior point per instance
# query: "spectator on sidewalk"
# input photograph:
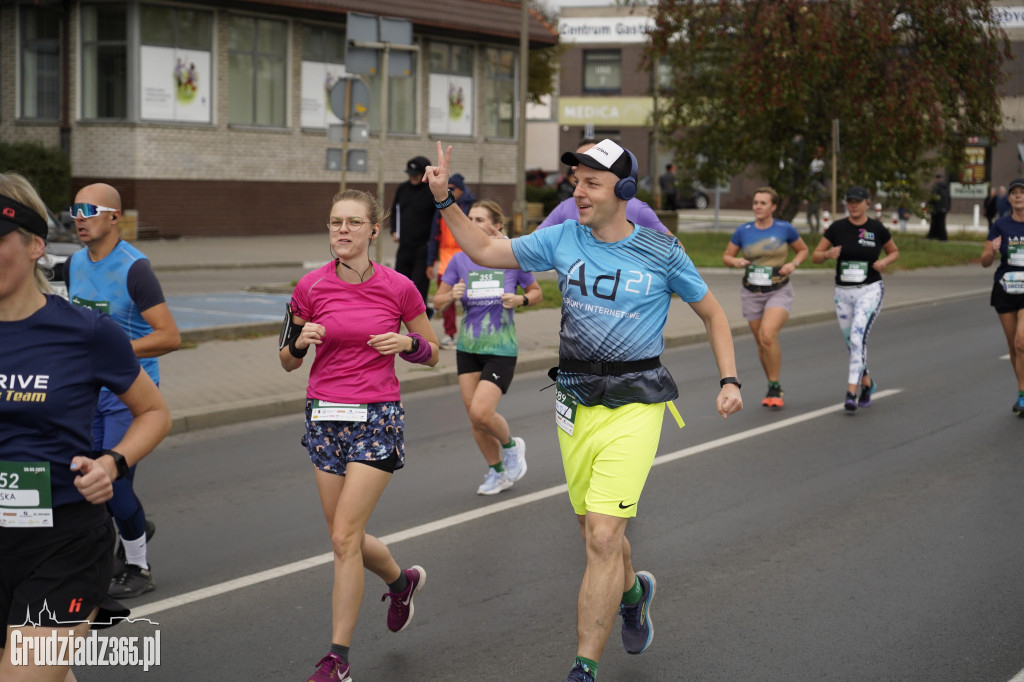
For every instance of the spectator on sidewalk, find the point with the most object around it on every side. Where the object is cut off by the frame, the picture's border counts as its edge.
(669, 193)
(113, 276)
(939, 206)
(412, 213)
(1003, 207)
(440, 249)
(991, 207)
(815, 195)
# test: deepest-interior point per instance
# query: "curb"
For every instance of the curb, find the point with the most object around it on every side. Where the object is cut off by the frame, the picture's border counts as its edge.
(292, 404)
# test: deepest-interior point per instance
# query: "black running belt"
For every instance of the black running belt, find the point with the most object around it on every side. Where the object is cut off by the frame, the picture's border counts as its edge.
(605, 369)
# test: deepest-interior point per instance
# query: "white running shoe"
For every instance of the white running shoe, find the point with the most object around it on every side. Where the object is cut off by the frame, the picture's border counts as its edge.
(447, 343)
(514, 459)
(494, 483)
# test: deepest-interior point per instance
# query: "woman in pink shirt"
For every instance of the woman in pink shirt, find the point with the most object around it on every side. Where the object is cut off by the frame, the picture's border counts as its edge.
(351, 310)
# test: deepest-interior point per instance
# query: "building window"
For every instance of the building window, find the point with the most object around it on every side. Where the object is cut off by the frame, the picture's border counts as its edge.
(257, 65)
(401, 101)
(175, 63)
(323, 64)
(498, 92)
(602, 71)
(664, 77)
(40, 62)
(451, 89)
(321, 44)
(104, 61)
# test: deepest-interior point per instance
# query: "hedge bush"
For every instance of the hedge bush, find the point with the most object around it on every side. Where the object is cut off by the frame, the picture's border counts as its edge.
(47, 168)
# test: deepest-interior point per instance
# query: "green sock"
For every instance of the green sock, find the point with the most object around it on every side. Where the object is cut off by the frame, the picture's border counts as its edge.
(499, 467)
(1020, 394)
(588, 665)
(510, 444)
(774, 384)
(633, 594)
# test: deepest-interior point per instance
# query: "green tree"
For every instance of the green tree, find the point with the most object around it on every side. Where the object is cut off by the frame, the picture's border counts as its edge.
(754, 85)
(543, 61)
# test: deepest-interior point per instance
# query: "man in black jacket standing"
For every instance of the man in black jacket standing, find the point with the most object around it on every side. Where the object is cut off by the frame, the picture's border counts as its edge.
(939, 207)
(412, 213)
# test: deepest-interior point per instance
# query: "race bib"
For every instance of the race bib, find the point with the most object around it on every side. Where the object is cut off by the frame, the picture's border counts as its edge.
(759, 275)
(102, 306)
(565, 410)
(483, 284)
(853, 271)
(25, 497)
(324, 411)
(1015, 254)
(1013, 282)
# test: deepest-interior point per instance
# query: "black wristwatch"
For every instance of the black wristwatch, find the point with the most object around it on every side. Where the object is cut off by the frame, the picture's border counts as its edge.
(415, 344)
(447, 202)
(119, 462)
(730, 380)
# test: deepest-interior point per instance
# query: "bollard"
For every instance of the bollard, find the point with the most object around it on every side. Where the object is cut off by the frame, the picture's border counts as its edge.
(825, 218)
(977, 216)
(878, 211)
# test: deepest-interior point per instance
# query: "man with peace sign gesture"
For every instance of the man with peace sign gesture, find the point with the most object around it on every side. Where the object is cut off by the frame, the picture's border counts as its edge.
(617, 281)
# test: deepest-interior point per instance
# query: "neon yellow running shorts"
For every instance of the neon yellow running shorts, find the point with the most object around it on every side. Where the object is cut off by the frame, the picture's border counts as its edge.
(609, 455)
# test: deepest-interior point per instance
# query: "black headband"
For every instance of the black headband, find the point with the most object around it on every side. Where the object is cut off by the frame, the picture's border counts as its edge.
(14, 215)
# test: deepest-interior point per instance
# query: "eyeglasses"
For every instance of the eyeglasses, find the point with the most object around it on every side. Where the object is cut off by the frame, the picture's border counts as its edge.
(354, 223)
(89, 210)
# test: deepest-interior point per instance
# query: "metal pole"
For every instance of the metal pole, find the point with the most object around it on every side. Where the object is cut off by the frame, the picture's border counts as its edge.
(384, 85)
(519, 206)
(835, 164)
(345, 131)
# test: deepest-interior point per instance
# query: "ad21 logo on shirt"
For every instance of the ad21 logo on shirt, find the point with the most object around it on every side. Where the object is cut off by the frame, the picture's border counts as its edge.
(633, 285)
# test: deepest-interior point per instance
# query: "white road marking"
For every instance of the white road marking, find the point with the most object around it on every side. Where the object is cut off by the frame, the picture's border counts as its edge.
(472, 515)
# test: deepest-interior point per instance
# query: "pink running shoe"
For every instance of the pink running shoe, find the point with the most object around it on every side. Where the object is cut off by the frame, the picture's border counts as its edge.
(401, 609)
(331, 669)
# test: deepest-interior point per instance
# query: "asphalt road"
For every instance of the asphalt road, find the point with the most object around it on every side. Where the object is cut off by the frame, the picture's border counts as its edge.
(803, 544)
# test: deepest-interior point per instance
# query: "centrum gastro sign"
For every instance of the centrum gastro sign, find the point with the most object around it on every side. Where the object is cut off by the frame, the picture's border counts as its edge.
(604, 111)
(604, 29)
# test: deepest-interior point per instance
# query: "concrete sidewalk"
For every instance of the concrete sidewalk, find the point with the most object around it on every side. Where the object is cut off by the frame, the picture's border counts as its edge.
(227, 381)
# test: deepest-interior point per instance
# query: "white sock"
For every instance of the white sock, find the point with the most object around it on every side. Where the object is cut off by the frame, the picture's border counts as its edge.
(135, 551)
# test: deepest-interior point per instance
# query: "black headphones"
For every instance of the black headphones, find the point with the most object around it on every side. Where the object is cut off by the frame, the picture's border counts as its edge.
(625, 188)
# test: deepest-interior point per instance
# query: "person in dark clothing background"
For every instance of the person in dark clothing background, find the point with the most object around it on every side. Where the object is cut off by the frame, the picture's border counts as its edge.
(412, 214)
(939, 206)
(670, 196)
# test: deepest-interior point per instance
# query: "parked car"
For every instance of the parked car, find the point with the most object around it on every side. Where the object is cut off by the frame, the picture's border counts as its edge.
(695, 199)
(61, 242)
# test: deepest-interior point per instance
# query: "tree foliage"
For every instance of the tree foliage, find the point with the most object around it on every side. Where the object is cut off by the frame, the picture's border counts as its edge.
(754, 87)
(544, 61)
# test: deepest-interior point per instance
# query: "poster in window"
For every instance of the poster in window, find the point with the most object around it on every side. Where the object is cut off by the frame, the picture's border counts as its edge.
(451, 105)
(317, 80)
(175, 84)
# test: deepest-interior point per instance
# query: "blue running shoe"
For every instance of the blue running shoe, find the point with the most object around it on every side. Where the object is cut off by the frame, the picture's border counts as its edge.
(637, 628)
(865, 394)
(1018, 406)
(579, 673)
